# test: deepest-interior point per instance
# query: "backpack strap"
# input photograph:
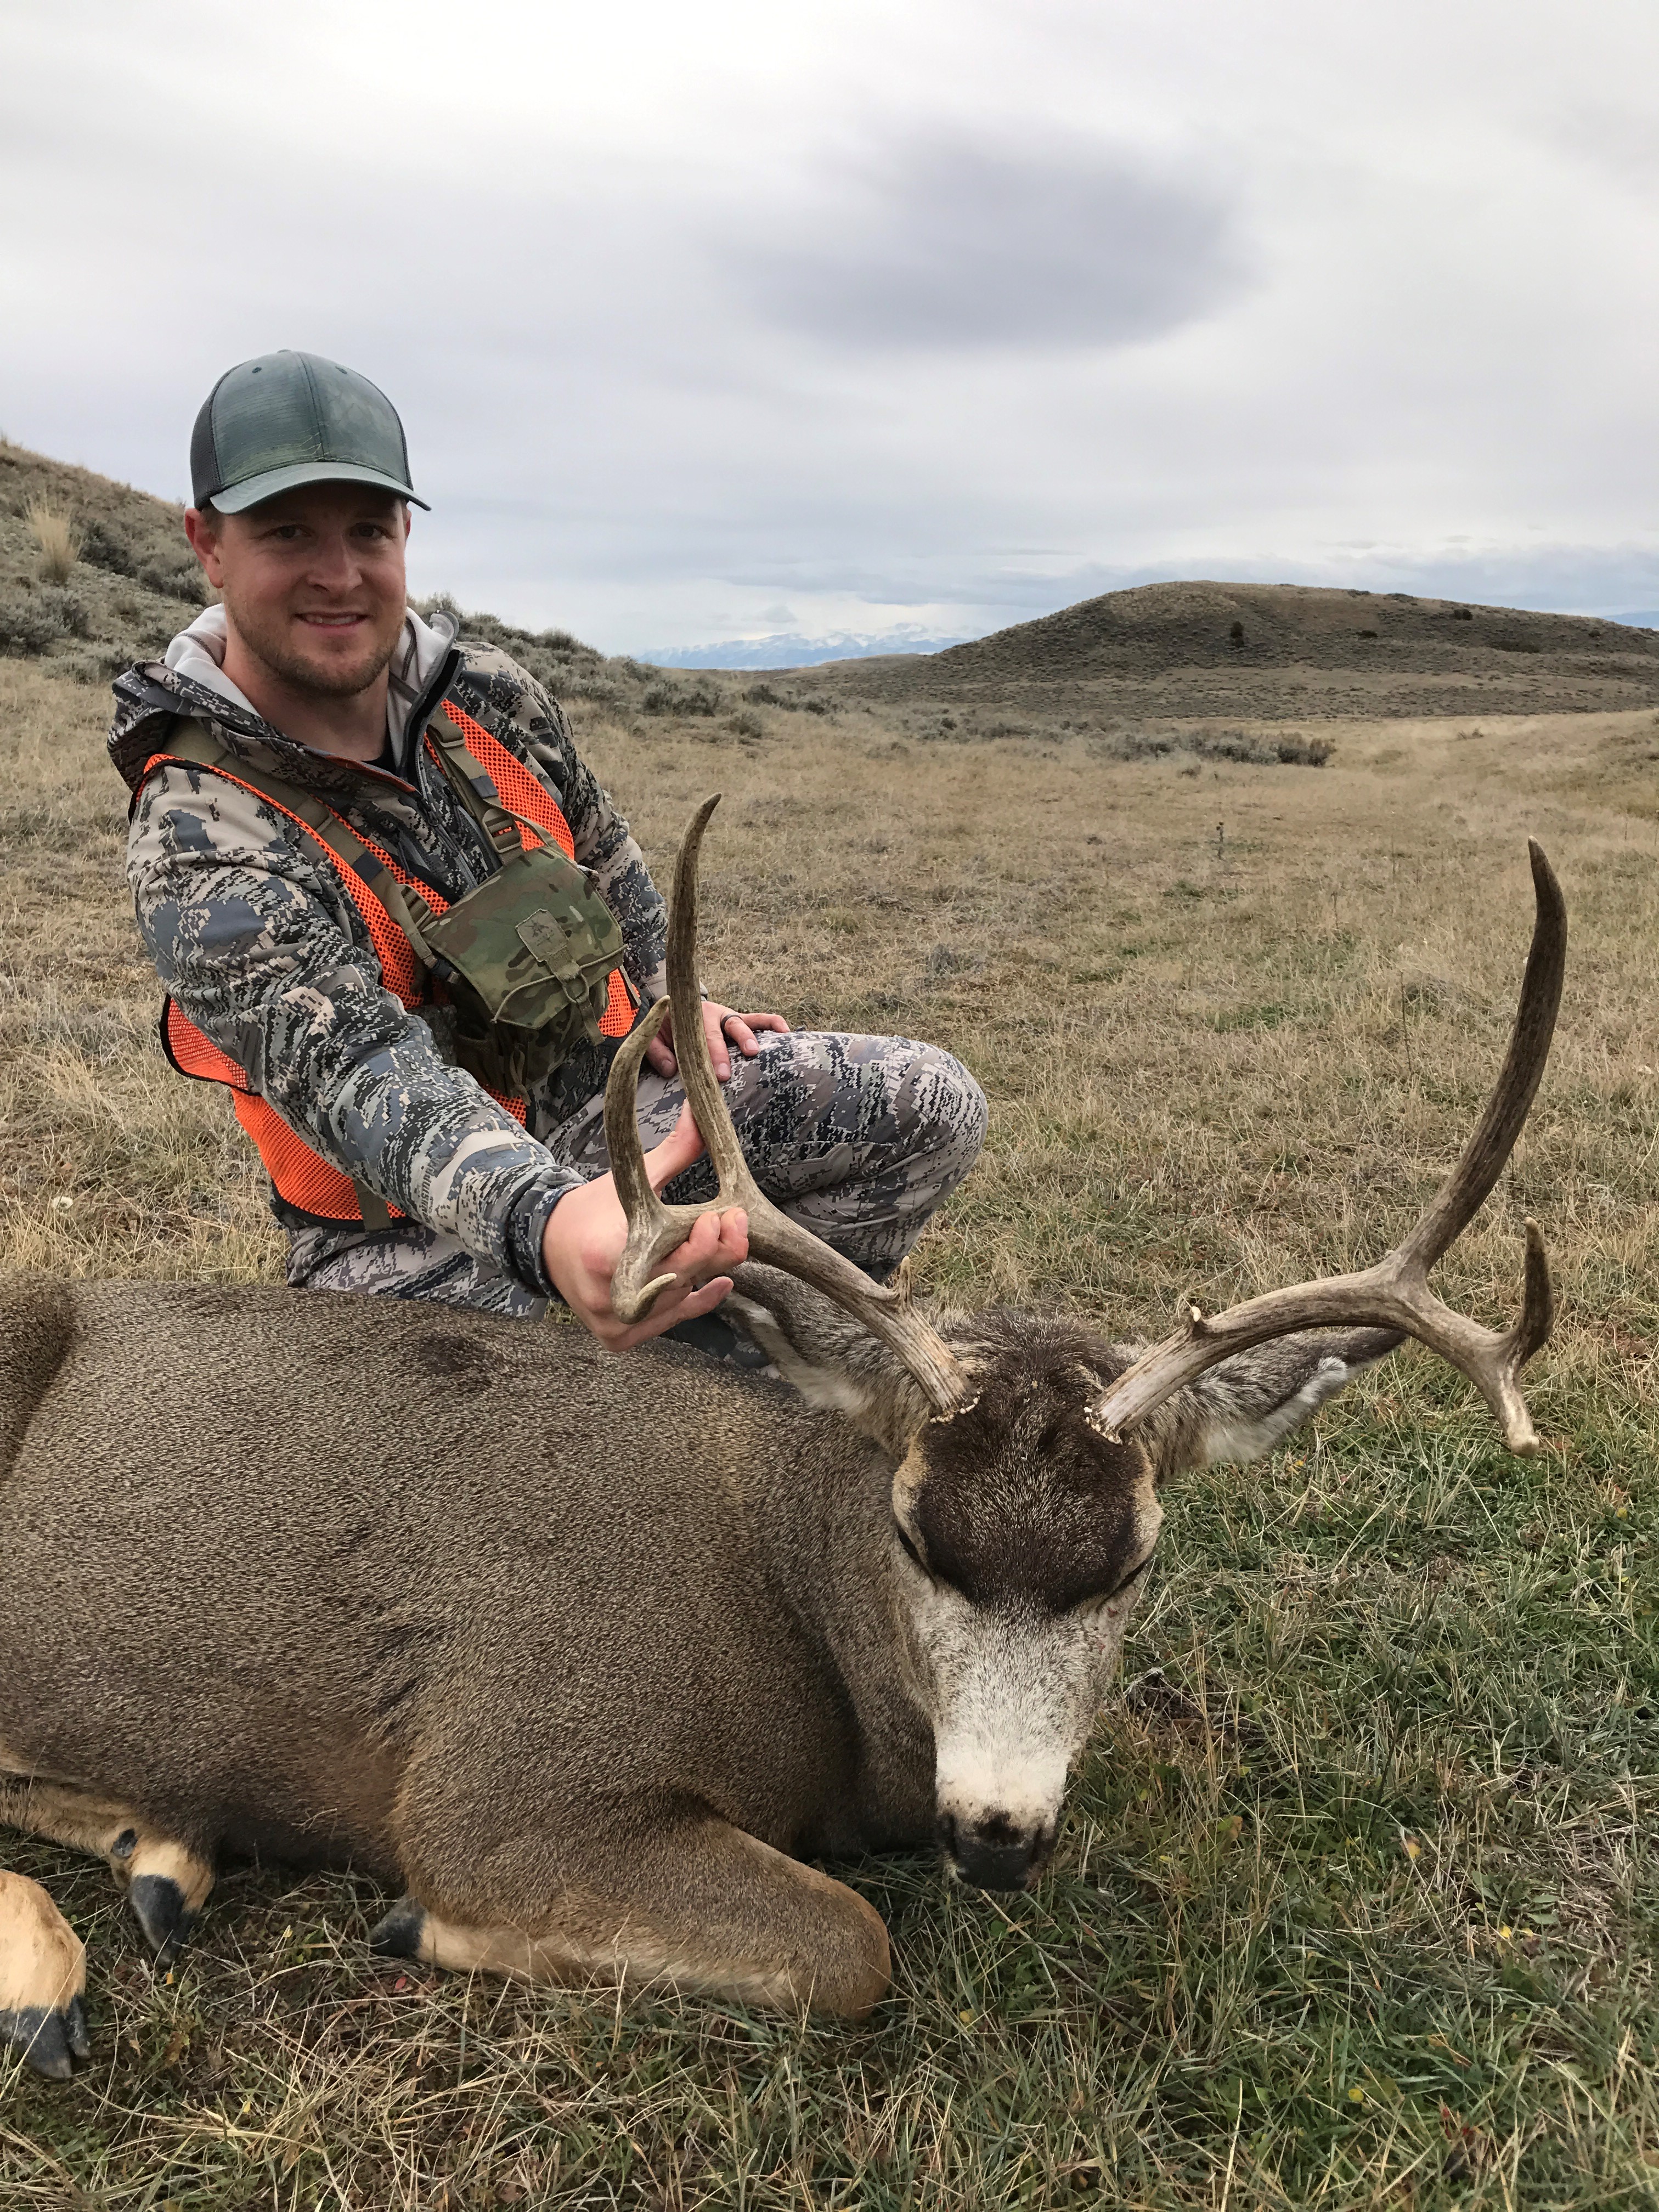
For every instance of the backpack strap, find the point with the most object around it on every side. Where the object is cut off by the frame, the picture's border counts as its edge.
(475, 787)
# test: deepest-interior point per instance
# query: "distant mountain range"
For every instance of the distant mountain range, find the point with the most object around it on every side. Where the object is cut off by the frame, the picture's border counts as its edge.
(786, 649)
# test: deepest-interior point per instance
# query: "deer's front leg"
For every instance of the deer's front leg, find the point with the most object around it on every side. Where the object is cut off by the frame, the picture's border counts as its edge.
(166, 1883)
(700, 1905)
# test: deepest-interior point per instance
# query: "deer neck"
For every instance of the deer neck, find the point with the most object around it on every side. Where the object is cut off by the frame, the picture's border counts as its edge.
(832, 1566)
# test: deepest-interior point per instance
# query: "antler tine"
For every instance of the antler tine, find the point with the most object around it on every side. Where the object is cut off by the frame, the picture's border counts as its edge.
(647, 1216)
(1395, 1292)
(656, 1229)
(702, 1089)
(1467, 1188)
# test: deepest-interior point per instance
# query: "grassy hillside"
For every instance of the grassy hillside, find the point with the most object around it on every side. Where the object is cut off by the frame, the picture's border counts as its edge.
(1279, 651)
(1355, 1903)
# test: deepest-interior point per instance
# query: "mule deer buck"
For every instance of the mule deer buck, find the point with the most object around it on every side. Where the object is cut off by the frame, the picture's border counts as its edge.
(298, 1576)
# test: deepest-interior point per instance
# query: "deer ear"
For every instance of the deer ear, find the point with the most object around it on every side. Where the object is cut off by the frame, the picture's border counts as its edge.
(1245, 1406)
(831, 1359)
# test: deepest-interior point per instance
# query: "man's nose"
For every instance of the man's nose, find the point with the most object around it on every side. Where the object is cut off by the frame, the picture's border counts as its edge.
(334, 564)
(994, 1850)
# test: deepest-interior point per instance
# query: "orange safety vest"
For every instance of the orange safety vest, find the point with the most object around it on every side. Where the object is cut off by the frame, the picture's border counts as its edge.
(303, 1176)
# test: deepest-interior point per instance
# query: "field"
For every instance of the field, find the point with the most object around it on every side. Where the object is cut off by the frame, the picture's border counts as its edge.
(1355, 1901)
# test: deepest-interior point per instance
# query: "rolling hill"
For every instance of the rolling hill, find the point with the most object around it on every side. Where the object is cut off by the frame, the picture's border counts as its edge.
(1270, 651)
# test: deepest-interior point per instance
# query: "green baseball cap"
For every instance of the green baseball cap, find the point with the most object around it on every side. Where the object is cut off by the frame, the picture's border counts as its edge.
(289, 419)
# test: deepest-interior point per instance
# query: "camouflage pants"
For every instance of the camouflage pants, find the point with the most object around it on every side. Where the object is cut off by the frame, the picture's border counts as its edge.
(859, 1139)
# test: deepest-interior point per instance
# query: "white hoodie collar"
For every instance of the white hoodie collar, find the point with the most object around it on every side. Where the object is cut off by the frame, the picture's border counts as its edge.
(198, 654)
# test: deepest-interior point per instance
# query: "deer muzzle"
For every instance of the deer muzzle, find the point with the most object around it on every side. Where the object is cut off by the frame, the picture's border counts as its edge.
(994, 1851)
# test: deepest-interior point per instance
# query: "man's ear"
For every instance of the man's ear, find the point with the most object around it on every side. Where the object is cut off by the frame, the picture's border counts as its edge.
(1246, 1406)
(204, 545)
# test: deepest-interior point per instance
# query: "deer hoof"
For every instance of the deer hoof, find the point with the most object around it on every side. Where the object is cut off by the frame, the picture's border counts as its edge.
(158, 1905)
(43, 1972)
(50, 2039)
(402, 1932)
(166, 1886)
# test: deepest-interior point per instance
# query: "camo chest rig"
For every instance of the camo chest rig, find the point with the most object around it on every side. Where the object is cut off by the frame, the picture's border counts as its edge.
(528, 962)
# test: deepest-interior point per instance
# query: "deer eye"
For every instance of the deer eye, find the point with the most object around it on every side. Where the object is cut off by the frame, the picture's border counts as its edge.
(1129, 1580)
(909, 1548)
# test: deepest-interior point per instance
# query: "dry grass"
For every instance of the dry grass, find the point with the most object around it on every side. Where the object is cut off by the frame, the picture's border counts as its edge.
(56, 537)
(135, 580)
(1361, 1910)
(107, 1165)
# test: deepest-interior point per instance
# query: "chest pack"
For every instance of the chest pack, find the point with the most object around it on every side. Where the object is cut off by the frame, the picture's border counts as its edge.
(528, 962)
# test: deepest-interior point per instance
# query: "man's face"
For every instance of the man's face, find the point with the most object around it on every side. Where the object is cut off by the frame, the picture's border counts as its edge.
(313, 582)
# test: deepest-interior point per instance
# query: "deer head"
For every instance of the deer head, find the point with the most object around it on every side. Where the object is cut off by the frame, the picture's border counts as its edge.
(1029, 1451)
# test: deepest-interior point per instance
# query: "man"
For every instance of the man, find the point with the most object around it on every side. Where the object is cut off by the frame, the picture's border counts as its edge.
(325, 788)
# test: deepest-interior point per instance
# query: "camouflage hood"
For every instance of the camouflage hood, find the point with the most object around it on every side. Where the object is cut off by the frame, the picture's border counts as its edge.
(191, 680)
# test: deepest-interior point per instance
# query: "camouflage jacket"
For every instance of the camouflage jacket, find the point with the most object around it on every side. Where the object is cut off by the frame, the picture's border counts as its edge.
(254, 936)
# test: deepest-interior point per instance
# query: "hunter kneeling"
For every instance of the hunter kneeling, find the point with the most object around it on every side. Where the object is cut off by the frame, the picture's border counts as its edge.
(397, 916)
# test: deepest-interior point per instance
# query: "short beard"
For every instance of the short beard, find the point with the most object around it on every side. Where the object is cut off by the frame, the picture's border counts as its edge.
(302, 675)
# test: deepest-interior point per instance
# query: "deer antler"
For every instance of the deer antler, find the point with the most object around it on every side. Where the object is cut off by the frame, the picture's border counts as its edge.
(655, 1230)
(1394, 1293)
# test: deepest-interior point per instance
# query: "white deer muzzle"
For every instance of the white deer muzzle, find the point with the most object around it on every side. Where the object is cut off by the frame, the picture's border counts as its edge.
(1015, 1693)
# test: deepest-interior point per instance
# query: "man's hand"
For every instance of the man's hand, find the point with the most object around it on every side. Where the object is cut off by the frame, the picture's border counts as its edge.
(587, 1231)
(719, 1023)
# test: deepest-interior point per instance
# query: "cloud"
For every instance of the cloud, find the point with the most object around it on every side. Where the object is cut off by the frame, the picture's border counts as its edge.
(952, 242)
(837, 317)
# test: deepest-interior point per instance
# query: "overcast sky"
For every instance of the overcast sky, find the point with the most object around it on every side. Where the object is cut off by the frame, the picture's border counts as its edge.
(719, 321)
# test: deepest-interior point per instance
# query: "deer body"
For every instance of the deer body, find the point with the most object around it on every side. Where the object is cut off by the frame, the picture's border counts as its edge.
(266, 1594)
(274, 1639)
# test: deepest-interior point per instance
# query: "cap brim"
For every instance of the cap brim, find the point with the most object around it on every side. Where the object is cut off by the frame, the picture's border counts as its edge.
(236, 499)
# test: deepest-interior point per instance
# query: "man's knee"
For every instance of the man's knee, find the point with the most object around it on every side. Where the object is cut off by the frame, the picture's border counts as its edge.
(945, 1105)
(892, 1092)
(889, 1123)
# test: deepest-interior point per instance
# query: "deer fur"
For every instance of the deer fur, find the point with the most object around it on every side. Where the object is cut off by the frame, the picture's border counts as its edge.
(592, 1692)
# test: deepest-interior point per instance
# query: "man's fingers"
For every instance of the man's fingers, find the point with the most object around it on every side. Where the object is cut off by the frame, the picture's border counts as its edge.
(706, 1299)
(667, 1311)
(734, 1236)
(660, 1053)
(717, 1240)
(714, 1019)
(696, 1254)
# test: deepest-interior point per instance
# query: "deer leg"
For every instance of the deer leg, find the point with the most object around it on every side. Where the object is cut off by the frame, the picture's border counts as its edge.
(43, 1979)
(166, 1883)
(701, 1905)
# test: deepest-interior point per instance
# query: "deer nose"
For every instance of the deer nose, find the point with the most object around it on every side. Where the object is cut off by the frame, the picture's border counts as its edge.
(994, 1851)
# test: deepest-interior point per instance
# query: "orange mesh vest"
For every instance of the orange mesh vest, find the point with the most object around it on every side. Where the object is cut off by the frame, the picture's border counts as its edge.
(302, 1176)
